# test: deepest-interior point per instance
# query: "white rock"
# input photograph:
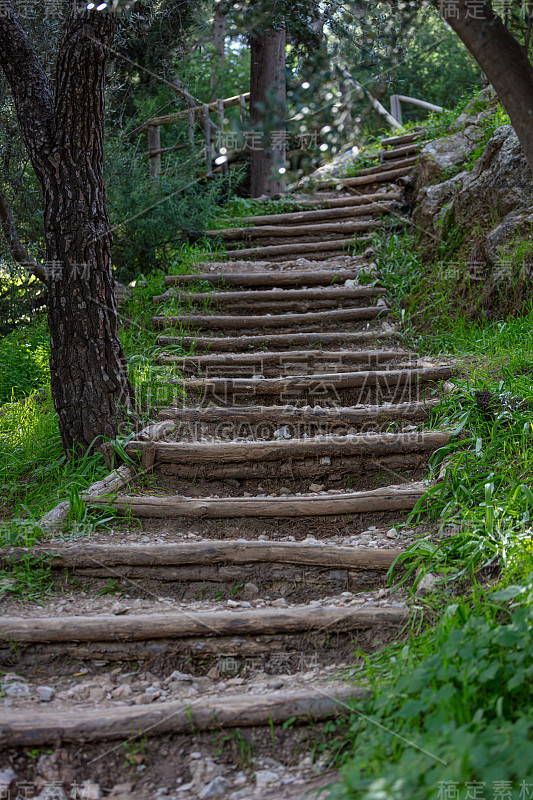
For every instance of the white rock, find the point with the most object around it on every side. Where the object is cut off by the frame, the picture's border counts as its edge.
(392, 533)
(179, 676)
(90, 791)
(317, 487)
(45, 693)
(426, 584)
(218, 787)
(264, 777)
(16, 689)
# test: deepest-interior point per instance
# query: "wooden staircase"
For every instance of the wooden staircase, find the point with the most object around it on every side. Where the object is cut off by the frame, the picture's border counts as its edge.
(289, 446)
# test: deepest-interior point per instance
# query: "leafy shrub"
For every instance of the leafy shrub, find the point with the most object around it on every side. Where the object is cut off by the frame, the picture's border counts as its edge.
(450, 710)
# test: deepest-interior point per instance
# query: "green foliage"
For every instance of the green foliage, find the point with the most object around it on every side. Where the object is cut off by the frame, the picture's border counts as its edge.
(150, 219)
(34, 471)
(24, 357)
(451, 706)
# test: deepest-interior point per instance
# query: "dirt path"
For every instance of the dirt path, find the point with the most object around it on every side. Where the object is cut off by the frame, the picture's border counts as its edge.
(289, 448)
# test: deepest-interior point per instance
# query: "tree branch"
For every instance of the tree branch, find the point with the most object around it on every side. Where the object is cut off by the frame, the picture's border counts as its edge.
(16, 248)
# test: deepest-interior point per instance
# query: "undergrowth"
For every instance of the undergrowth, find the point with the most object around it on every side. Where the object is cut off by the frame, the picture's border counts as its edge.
(448, 713)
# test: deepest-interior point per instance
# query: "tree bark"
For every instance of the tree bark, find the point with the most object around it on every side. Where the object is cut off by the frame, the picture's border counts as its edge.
(503, 60)
(219, 39)
(64, 138)
(267, 111)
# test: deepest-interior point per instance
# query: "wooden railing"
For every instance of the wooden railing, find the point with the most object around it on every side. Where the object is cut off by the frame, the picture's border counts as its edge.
(396, 105)
(192, 115)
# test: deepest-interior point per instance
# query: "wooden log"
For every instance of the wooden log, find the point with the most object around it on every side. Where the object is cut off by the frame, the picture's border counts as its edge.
(386, 379)
(400, 164)
(285, 295)
(399, 152)
(341, 228)
(355, 200)
(403, 138)
(233, 344)
(20, 728)
(279, 415)
(305, 468)
(337, 245)
(297, 217)
(383, 176)
(115, 480)
(135, 627)
(274, 278)
(275, 321)
(238, 452)
(168, 507)
(86, 556)
(282, 358)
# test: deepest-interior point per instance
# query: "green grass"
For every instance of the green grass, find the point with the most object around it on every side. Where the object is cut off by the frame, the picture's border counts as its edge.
(453, 705)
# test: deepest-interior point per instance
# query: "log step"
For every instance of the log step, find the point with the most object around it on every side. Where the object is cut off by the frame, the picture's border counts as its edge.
(316, 447)
(310, 249)
(20, 728)
(234, 344)
(275, 278)
(296, 217)
(380, 176)
(386, 379)
(279, 415)
(169, 507)
(273, 296)
(284, 359)
(337, 201)
(400, 151)
(144, 627)
(89, 556)
(303, 320)
(400, 164)
(403, 138)
(341, 228)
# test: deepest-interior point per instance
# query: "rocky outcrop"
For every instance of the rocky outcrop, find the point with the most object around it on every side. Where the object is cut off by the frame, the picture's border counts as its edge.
(481, 219)
(494, 198)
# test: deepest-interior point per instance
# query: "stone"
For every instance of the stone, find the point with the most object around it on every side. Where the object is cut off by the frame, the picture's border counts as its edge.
(392, 533)
(8, 779)
(16, 689)
(45, 693)
(265, 777)
(122, 691)
(279, 602)
(317, 487)
(426, 584)
(218, 787)
(282, 433)
(90, 791)
(179, 676)
(250, 591)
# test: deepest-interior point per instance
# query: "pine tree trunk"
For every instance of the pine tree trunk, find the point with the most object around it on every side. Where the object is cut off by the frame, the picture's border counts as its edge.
(219, 42)
(64, 138)
(503, 60)
(267, 111)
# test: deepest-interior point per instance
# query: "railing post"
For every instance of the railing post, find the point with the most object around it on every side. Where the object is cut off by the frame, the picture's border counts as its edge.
(207, 129)
(190, 129)
(154, 151)
(242, 104)
(396, 108)
(220, 122)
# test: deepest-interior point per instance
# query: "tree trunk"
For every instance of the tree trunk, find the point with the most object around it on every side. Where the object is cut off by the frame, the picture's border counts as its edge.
(219, 38)
(503, 60)
(64, 138)
(267, 111)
